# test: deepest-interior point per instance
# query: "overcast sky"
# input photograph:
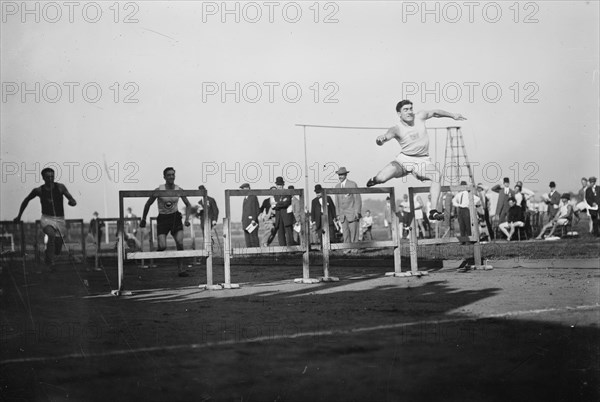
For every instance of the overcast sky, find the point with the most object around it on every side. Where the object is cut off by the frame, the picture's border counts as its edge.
(145, 85)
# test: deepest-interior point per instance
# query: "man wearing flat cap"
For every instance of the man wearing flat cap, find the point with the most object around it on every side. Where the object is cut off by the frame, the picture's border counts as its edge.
(284, 219)
(250, 212)
(349, 207)
(592, 197)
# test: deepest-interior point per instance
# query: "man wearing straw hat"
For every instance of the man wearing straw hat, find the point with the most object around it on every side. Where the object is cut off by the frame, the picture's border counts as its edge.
(349, 207)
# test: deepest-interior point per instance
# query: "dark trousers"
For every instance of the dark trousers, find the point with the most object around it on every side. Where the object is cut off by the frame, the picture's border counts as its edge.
(464, 221)
(251, 238)
(488, 223)
(594, 216)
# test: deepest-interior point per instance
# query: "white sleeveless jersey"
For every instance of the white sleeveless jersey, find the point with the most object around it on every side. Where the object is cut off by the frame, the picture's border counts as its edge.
(414, 140)
(167, 205)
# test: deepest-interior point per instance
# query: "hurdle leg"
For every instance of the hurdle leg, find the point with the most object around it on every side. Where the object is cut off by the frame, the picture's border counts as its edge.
(227, 256)
(208, 248)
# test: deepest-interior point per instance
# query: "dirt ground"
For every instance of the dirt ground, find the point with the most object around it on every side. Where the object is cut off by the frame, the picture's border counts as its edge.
(507, 334)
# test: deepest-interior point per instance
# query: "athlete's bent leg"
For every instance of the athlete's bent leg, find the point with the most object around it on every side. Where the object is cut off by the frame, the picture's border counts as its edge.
(390, 171)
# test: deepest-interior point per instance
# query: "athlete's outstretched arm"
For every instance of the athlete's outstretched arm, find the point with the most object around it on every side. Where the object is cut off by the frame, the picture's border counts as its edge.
(66, 193)
(34, 193)
(428, 114)
(146, 210)
(391, 133)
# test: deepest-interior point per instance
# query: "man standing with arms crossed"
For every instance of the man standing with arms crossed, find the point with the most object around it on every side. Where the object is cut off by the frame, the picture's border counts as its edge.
(169, 217)
(414, 159)
(53, 213)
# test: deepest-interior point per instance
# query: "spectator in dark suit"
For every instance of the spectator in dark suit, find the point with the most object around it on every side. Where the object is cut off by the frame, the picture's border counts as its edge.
(213, 210)
(592, 197)
(267, 212)
(284, 219)
(504, 193)
(250, 211)
(552, 200)
(316, 214)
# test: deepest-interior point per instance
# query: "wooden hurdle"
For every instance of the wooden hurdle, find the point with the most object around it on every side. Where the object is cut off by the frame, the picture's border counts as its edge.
(98, 243)
(394, 243)
(230, 252)
(121, 255)
(22, 244)
(474, 238)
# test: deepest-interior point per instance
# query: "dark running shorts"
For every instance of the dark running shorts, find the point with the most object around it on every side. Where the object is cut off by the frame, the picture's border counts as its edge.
(166, 223)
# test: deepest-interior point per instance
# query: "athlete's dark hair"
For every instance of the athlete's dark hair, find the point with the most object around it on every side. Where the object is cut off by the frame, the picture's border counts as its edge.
(47, 170)
(402, 103)
(167, 169)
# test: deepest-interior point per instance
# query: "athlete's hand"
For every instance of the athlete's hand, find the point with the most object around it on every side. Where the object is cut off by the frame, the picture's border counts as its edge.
(458, 116)
(186, 223)
(17, 219)
(143, 223)
(72, 203)
(381, 140)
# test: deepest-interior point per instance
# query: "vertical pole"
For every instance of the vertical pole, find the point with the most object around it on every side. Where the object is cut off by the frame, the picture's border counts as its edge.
(325, 244)
(36, 245)
(305, 242)
(227, 241)
(120, 230)
(23, 250)
(413, 233)
(226, 256)
(97, 242)
(83, 251)
(207, 243)
(474, 228)
(395, 235)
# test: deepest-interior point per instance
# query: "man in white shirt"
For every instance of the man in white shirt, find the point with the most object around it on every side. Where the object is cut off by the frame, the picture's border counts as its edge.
(461, 202)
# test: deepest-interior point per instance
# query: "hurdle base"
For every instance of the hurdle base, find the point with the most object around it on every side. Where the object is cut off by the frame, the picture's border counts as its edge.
(477, 267)
(210, 287)
(121, 292)
(230, 285)
(407, 274)
(329, 279)
(306, 280)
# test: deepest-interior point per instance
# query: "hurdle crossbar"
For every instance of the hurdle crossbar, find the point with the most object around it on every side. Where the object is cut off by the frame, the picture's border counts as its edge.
(394, 243)
(121, 255)
(98, 243)
(474, 238)
(230, 251)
